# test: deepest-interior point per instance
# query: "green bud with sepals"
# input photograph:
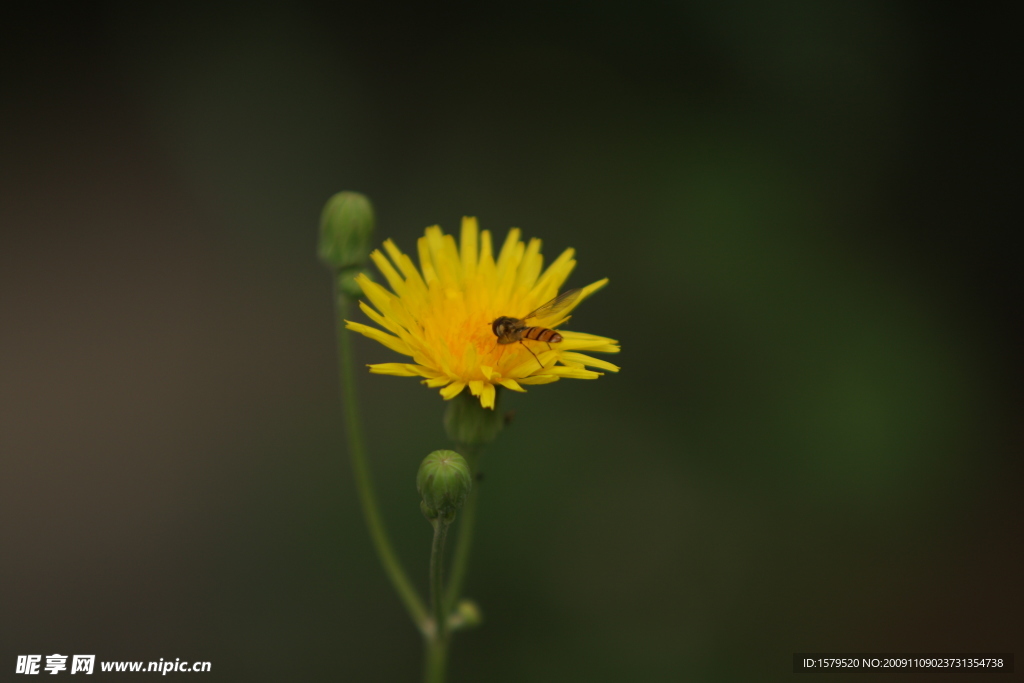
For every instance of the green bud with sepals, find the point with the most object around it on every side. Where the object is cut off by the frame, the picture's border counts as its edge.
(443, 481)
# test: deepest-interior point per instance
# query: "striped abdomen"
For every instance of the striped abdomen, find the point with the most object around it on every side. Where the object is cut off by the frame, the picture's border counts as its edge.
(542, 334)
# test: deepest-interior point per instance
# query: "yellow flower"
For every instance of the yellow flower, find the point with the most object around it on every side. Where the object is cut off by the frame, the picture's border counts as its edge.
(441, 314)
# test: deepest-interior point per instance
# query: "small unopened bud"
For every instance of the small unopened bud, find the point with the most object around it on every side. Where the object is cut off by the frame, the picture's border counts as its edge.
(444, 482)
(346, 230)
(467, 615)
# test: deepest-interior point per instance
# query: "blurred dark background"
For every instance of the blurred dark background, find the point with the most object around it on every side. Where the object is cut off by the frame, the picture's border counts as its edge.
(805, 212)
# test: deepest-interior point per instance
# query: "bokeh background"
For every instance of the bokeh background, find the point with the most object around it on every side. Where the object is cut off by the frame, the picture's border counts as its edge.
(808, 214)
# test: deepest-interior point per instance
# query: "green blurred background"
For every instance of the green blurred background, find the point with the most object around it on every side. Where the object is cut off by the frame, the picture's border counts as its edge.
(805, 212)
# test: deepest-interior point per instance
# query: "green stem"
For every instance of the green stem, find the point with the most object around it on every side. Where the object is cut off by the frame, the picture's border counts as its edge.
(437, 642)
(437, 659)
(467, 521)
(374, 522)
(437, 602)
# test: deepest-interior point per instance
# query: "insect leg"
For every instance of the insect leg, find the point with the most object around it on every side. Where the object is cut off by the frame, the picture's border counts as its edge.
(532, 353)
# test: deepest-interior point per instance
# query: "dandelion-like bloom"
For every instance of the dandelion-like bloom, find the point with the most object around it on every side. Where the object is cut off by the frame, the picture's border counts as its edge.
(441, 314)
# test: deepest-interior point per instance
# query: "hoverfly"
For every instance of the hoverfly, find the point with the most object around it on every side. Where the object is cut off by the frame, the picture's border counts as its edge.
(510, 330)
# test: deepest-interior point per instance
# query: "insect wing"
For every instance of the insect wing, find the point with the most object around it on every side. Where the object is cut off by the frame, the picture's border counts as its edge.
(556, 305)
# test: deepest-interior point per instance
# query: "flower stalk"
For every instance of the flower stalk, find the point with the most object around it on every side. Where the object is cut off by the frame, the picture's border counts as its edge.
(471, 427)
(364, 484)
(347, 222)
(437, 642)
(463, 544)
(437, 604)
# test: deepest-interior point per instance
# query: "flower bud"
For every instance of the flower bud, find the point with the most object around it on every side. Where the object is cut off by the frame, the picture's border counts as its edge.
(467, 615)
(346, 228)
(467, 422)
(444, 482)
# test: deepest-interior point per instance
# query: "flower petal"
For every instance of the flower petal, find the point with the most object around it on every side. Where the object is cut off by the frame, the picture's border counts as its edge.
(554, 277)
(530, 266)
(512, 384)
(487, 266)
(487, 396)
(575, 373)
(589, 360)
(505, 258)
(393, 343)
(530, 365)
(468, 246)
(539, 379)
(452, 390)
(578, 341)
(417, 288)
(426, 262)
(401, 370)
(389, 272)
(387, 323)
